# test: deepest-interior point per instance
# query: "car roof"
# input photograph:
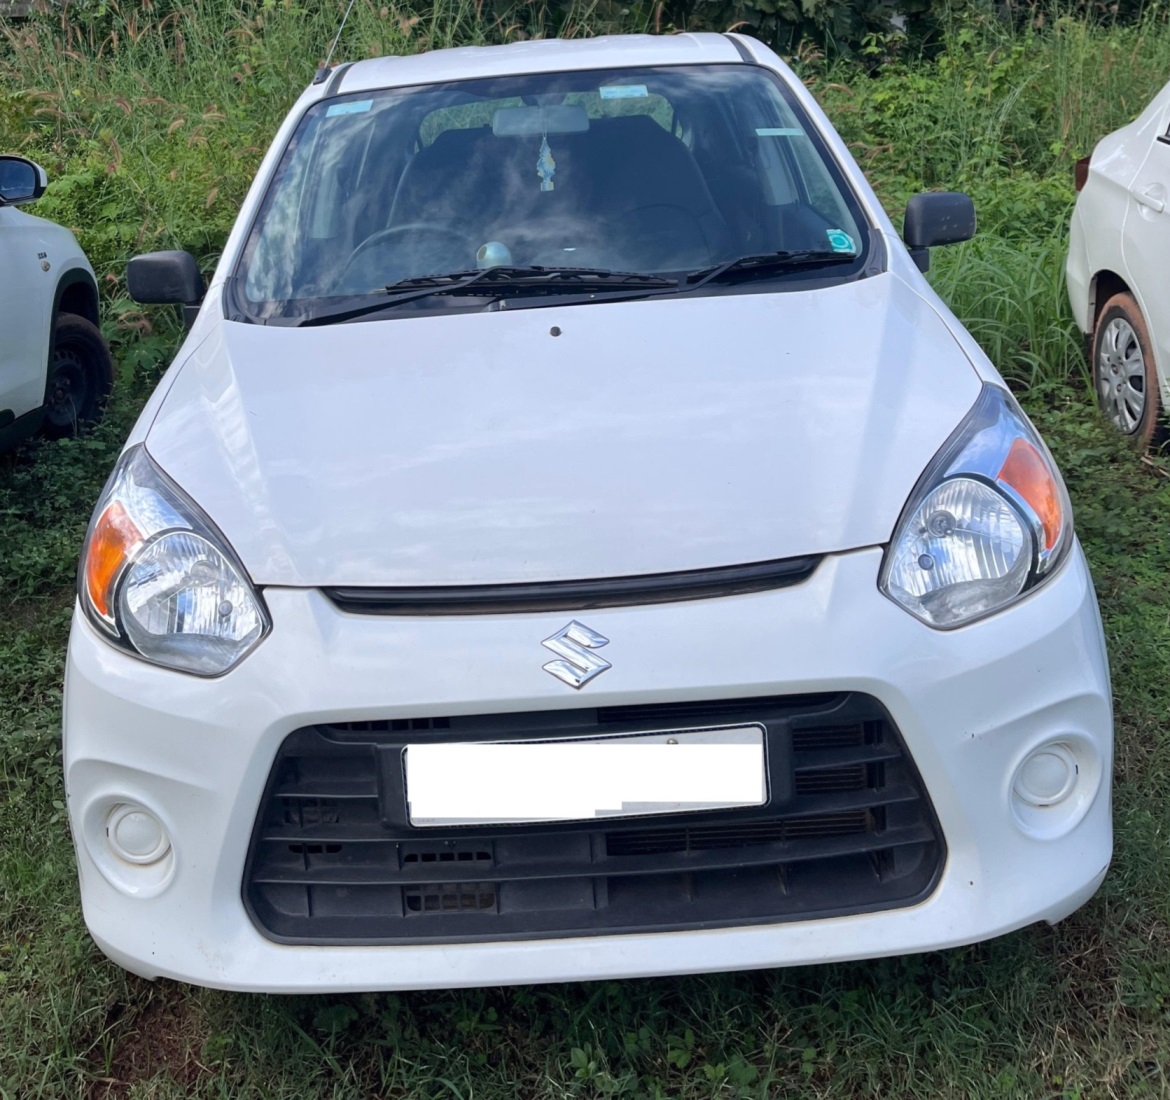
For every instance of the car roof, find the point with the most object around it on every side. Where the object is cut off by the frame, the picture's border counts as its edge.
(539, 56)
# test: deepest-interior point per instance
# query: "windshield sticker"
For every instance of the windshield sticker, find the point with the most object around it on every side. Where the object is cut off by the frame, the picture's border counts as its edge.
(840, 241)
(546, 167)
(779, 131)
(357, 107)
(623, 91)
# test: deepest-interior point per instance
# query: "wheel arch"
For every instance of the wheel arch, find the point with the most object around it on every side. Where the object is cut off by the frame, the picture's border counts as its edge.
(77, 293)
(1102, 287)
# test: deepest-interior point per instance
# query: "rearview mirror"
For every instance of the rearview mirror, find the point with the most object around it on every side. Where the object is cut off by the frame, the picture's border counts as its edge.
(21, 181)
(564, 118)
(937, 218)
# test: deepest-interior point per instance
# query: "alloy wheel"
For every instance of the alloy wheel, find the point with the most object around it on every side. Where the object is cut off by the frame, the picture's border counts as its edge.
(1121, 375)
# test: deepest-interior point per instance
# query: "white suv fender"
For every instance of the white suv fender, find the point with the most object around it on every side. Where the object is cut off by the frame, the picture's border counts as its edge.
(55, 370)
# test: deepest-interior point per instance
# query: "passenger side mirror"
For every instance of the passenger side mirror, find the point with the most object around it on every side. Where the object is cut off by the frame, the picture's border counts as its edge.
(21, 181)
(936, 218)
(161, 278)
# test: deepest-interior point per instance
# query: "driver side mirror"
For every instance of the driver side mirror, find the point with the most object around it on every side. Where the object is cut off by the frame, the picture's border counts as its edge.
(937, 218)
(21, 181)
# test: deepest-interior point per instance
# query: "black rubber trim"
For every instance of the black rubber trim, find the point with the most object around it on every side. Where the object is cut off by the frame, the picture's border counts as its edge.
(741, 49)
(504, 599)
(877, 258)
(1164, 138)
(335, 80)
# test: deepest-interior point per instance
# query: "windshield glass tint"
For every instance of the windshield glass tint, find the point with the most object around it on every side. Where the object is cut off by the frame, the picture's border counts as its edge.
(633, 170)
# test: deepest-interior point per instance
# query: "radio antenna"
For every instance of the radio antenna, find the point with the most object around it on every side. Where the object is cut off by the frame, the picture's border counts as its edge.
(333, 46)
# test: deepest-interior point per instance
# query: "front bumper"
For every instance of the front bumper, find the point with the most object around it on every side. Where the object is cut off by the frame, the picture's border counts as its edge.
(970, 704)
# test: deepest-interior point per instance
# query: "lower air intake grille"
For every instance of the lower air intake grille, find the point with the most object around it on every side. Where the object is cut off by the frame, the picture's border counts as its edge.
(848, 829)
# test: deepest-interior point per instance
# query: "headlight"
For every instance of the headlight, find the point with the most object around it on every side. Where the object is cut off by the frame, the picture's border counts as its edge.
(160, 581)
(989, 520)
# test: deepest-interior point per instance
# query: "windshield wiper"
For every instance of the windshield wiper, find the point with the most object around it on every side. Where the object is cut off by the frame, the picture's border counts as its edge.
(535, 276)
(501, 280)
(765, 262)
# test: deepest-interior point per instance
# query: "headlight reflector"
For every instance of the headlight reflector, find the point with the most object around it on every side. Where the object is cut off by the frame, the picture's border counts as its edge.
(988, 520)
(965, 548)
(184, 604)
(160, 581)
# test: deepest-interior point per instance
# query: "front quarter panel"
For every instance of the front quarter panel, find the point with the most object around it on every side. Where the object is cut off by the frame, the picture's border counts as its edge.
(34, 255)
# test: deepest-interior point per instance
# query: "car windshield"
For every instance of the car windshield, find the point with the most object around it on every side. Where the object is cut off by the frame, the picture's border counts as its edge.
(672, 170)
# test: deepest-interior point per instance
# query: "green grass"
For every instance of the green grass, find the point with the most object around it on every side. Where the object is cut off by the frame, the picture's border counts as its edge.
(152, 134)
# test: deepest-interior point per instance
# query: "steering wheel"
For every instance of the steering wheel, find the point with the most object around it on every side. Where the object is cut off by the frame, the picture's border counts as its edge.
(383, 235)
(663, 233)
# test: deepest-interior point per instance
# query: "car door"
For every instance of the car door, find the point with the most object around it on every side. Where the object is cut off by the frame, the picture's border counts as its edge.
(1146, 237)
(27, 283)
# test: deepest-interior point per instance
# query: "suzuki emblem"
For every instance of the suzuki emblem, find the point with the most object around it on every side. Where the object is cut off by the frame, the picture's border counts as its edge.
(574, 645)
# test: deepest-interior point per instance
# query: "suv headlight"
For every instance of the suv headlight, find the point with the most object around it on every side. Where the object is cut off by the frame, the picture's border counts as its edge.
(158, 580)
(988, 521)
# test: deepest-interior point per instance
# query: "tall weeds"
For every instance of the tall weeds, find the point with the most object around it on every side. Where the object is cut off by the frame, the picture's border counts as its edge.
(152, 122)
(1002, 113)
(152, 118)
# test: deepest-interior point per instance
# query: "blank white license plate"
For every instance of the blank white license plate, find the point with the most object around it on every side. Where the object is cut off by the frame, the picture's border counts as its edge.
(511, 782)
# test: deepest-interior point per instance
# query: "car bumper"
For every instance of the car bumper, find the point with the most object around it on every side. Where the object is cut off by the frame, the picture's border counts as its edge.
(970, 704)
(1077, 272)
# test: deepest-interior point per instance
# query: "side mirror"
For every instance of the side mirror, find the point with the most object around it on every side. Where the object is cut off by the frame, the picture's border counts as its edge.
(935, 218)
(21, 181)
(162, 278)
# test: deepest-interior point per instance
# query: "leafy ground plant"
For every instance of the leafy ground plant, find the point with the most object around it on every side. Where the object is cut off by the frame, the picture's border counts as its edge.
(155, 126)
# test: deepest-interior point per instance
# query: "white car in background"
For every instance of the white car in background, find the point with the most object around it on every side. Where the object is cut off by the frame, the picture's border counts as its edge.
(1119, 270)
(575, 542)
(55, 369)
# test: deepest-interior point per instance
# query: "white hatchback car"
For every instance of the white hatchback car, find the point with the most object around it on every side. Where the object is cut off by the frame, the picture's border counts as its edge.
(55, 369)
(1119, 269)
(575, 542)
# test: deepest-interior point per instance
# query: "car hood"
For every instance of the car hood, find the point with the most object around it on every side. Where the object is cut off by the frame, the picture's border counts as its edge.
(565, 443)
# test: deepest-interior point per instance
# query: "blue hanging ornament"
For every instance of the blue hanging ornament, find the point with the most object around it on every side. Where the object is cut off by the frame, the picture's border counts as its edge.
(546, 167)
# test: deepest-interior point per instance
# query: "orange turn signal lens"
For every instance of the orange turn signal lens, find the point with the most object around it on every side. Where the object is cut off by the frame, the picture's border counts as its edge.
(114, 539)
(1025, 471)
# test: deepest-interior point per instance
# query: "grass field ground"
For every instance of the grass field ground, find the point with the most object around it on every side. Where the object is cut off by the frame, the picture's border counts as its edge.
(143, 128)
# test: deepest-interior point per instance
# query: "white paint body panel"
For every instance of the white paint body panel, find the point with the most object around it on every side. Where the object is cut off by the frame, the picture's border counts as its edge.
(649, 437)
(27, 289)
(544, 55)
(1117, 227)
(970, 705)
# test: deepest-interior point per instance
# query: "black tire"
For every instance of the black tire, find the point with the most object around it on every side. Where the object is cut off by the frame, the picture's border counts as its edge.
(1125, 377)
(81, 376)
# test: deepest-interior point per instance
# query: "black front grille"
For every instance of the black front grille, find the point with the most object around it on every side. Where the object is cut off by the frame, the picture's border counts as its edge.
(636, 591)
(848, 828)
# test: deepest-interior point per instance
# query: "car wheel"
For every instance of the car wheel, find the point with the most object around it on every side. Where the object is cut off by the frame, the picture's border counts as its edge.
(80, 377)
(1124, 374)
